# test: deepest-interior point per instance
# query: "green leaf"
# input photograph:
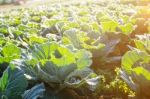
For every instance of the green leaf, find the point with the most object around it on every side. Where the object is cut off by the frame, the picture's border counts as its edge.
(79, 39)
(2, 39)
(50, 22)
(35, 92)
(36, 39)
(44, 51)
(51, 73)
(109, 26)
(141, 71)
(4, 29)
(10, 52)
(82, 77)
(61, 55)
(86, 27)
(84, 59)
(127, 28)
(72, 36)
(134, 58)
(3, 82)
(95, 26)
(143, 43)
(14, 22)
(13, 83)
(36, 18)
(22, 27)
(33, 25)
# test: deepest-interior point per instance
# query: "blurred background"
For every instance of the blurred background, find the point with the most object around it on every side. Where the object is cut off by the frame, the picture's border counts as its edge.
(13, 4)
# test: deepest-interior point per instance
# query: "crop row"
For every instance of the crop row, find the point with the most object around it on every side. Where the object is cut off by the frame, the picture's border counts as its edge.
(79, 51)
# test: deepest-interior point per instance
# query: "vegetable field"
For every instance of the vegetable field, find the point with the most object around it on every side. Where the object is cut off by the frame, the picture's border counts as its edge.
(85, 50)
